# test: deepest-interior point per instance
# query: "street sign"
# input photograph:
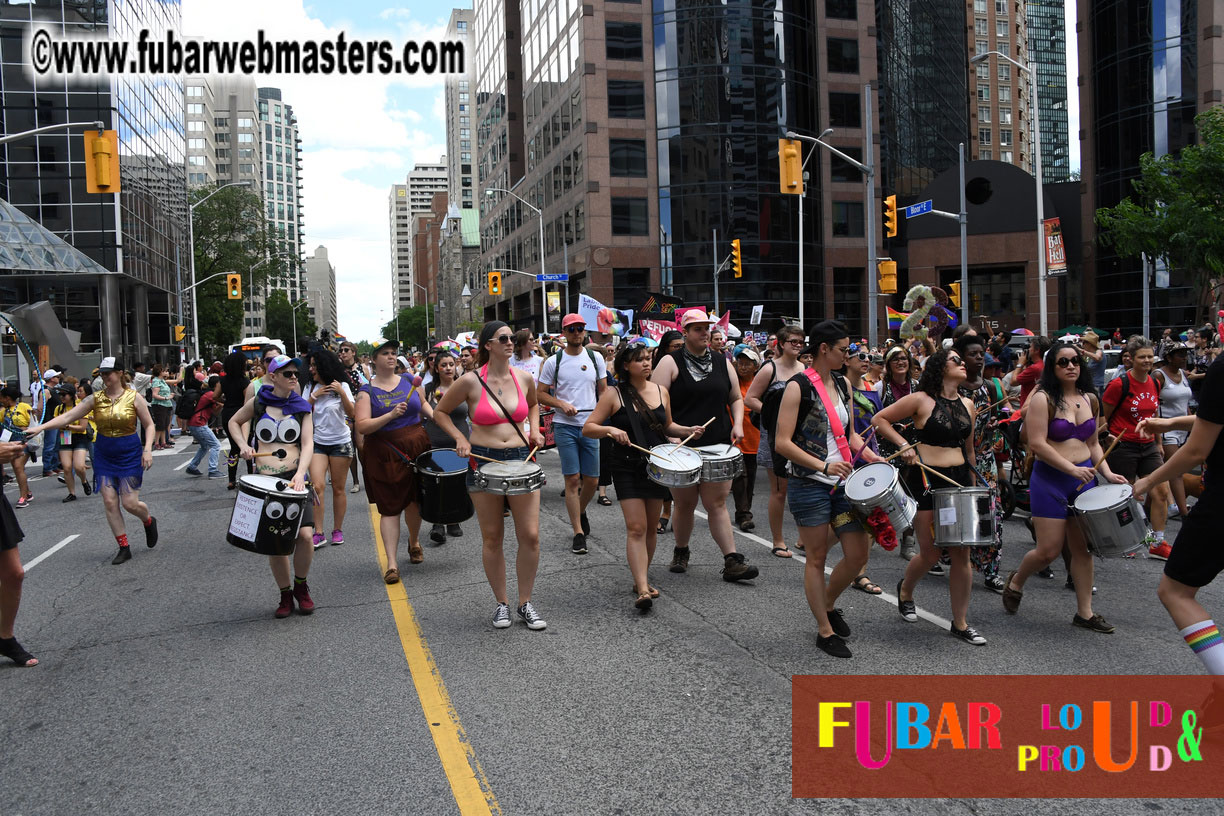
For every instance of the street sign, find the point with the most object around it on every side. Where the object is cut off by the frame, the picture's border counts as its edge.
(559, 277)
(921, 208)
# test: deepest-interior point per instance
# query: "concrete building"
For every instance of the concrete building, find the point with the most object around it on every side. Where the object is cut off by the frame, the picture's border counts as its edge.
(282, 164)
(321, 290)
(460, 112)
(138, 239)
(998, 92)
(401, 247)
(222, 132)
(1047, 38)
(460, 264)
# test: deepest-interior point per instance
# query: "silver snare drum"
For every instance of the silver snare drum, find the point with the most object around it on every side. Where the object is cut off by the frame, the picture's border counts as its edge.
(673, 466)
(964, 517)
(510, 478)
(720, 463)
(1111, 520)
(878, 485)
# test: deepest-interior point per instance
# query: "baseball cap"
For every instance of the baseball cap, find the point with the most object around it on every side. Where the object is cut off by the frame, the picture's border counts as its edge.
(392, 343)
(571, 319)
(695, 316)
(216, 367)
(403, 361)
(281, 361)
(107, 364)
(990, 361)
(744, 351)
(51, 372)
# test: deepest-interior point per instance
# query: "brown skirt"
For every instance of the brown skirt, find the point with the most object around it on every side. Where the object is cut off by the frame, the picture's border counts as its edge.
(391, 482)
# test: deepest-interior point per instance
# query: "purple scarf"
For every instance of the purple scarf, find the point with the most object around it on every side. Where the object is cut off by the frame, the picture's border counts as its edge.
(292, 404)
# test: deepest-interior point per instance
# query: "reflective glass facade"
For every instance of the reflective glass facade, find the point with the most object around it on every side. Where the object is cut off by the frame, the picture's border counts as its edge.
(1047, 41)
(730, 78)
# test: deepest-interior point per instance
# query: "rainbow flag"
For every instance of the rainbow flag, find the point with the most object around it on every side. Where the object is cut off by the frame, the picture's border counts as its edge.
(895, 319)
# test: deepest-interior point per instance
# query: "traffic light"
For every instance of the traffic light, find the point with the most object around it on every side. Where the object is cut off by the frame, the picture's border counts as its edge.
(790, 166)
(233, 286)
(737, 259)
(954, 294)
(101, 161)
(180, 334)
(494, 283)
(890, 216)
(888, 277)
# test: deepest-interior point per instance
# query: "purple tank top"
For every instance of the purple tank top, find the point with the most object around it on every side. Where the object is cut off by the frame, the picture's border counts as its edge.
(382, 402)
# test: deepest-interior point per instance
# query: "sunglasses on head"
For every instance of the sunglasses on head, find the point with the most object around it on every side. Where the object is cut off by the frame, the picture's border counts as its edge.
(1067, 362)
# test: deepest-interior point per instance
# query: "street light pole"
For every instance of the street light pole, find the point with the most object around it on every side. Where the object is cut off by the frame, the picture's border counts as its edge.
(195, 305)
(48, 128)
(540, 213)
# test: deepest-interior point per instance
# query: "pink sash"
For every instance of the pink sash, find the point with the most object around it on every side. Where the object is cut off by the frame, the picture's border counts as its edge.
(839, 431)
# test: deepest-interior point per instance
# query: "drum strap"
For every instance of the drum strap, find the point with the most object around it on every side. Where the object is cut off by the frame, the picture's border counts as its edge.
(839, 432)
(505, 413)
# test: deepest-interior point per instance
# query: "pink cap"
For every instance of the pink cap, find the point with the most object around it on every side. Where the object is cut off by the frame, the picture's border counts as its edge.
(572, 318)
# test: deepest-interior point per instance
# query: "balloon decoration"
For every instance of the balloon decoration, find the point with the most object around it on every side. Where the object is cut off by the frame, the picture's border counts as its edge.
(929, 315)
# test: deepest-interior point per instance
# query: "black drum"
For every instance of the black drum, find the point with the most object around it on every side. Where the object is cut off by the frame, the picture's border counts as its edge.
(442, 487)
(267, 515)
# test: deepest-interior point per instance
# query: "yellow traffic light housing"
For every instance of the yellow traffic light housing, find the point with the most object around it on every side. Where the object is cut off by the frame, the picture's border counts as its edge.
(233, 286)
(495, 283)
(954, 294)
(102, 161)
(888, 277)
(737, 259)
(180, 334)
(890, 216)
(790, 166)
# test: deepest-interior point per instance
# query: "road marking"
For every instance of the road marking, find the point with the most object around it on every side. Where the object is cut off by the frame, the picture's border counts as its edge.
(942, 623)
(467, 779)
(185, 464)
(38, 560)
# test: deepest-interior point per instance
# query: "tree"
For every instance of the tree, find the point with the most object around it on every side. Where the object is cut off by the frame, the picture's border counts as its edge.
(1175, 212)
(412, 326)
(280, 321)
(230, 236)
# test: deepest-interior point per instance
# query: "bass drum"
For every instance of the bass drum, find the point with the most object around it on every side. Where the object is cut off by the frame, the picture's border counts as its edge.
(442, 486)
(267, 515)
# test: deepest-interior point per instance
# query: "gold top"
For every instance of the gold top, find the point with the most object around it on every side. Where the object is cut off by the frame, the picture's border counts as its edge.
(115, 417)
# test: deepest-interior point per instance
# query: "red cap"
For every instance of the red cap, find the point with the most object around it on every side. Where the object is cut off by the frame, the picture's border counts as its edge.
(572, 318)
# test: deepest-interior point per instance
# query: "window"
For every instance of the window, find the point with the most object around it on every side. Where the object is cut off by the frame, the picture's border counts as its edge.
(983, 94)
(1005, 156)
(195, 126)
(983, 70)
(195, 144)
(195, 109)
(982, 47)
(981, 26)
(1005, 94)
(1001, 28)
(221, 121)
(848, 219)
(248, 169)
(630, 216)
(627, 157)
(985, 155)
(841, 9)
(244, 122)
(1005, 137)
(623, 40)
(979, 6)
(841, 170)
(197, 161)
(1005, 115)
(843, 56)
(844, 110)
(984, 136)
(626, 99)
(984, 113)
(222, 138)
(461, 25)
(1004, 72)
(223, 169)
(223, 153)
(246, 138)
(195, 90)
(1001, 8)
(197, 178)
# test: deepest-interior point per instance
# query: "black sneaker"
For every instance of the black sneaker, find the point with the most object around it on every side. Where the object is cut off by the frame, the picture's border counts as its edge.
(124, 554)
(840, 627)
(936, 569)
(833, 646)
(737, 568)
(969, 635)
(151, 533)
(586, 524)
(454, 531)
(680, 557)
(579, 546)
(530, 617)
(438, 534)
(908, 609)
(1046, 573)
(69, 497)
(1096, 623)
(995, 584)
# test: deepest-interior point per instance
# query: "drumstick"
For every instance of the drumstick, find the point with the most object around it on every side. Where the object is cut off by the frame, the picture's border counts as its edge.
(484, 458)
(940, 475)
(279, 454)
(867, 437)
(1117, 439)
(899, 452)
(694, 433)
(648, 453)
(533, 452)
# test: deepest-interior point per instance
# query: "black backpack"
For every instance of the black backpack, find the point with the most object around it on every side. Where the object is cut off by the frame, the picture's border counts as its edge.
(771, 401)
(187, 404)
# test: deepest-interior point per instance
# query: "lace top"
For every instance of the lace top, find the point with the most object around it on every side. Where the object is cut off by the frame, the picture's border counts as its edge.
(948, 425)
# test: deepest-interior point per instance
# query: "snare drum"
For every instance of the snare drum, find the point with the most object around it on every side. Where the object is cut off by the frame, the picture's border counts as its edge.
(267, 515)
(720, 463)
(964, 517)
(878, 486)
(1112, 521)
(442, 491)
(510, 478)
(673, 466)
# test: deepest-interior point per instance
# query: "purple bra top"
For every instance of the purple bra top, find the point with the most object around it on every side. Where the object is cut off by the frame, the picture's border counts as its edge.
(1061, 430)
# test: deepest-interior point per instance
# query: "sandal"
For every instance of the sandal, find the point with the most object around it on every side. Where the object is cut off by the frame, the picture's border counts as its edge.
(391, 576)
(415, 554)
(663, 524)
(643, 601)
(604, 501)
(10, 648)
(865, 584)
(654, 591)
(781, 552)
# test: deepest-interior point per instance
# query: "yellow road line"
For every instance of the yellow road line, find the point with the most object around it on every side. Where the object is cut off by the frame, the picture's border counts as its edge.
(467, 779)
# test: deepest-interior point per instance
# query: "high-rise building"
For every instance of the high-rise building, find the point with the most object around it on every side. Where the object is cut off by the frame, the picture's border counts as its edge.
(282, 162)
(999, 92)
(1047, 40)
(423, 183)
(321, 289)
(222, 132)
(139, 237)
(460, 111)
(401, 247)
(1147, 69)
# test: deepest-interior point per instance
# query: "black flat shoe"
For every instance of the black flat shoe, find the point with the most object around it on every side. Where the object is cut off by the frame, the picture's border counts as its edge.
(833, 646)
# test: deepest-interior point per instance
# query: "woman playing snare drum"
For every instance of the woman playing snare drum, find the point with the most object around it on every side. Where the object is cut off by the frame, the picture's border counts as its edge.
(943, 425)
(1062, 430)
(497, 434)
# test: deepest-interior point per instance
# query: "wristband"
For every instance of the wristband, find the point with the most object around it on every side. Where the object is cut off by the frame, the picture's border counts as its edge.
(826, 469)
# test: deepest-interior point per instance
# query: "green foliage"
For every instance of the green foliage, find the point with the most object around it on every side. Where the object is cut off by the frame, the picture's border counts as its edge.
(412, 326)
(1174, 213)
(280, 322)
(364, 347)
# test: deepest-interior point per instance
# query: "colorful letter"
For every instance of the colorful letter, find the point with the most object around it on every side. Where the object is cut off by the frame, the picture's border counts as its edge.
(1049, 758)
(985, 717)
(828, 713)
(912, 717)
(862, 735)
(1027, 754)
(1070, 721)
(1073, 758)
(949, 728)
(1102, 728)
(1045, 719)
(1159, 757)
(1160, 710)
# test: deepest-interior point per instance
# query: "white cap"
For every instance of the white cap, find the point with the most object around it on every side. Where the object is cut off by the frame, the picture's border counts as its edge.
(51, 372)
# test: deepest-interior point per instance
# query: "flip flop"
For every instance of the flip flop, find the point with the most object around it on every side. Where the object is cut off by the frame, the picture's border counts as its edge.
(391, 576)
(865, 584)
(781, 552)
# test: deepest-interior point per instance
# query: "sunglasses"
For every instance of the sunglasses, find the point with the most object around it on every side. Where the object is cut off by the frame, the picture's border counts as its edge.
(290, 374)
(575, 328)
(864, 356)
(504, 338)
(1067, 362)
(956, 361)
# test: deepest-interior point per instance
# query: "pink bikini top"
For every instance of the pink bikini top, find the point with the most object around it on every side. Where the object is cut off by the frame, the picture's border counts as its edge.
(487, 414)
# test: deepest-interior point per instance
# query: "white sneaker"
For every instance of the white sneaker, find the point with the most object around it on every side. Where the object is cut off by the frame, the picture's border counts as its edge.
(355, 488)
(531, 617)
(909, 547)
(501, 618)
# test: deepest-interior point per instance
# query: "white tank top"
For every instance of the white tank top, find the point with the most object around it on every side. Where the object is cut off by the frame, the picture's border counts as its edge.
(1175, 396)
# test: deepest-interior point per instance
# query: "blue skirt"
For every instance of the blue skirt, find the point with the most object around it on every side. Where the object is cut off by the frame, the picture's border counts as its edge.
(116, 463)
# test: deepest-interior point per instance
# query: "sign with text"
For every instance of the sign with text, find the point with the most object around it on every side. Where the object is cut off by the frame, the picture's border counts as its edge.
(655, 329)
(244, 523)
(921, 208)
(659, 306)
(1056, 253)
(757, 313)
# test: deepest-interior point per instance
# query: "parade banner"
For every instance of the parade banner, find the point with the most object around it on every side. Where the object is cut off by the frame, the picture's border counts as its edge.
(655, 329)
(659, 306)
(554, 303)
(603, 319)
(1056, 253)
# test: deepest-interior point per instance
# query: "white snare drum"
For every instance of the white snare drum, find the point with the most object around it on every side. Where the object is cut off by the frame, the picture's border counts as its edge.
(964, 517)
(720, 463)
(510, 478)
(673, 466)
(1111, 520)
(878, 485)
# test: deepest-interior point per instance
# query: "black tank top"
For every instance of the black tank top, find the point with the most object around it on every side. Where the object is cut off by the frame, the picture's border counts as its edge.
(947, 426)
(693, 403)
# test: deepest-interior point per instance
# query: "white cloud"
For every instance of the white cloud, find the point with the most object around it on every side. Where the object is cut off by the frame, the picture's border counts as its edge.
(360, 135)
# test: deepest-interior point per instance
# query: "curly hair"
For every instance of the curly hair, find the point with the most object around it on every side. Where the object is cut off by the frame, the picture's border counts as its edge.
(931, 381)
(328, 368)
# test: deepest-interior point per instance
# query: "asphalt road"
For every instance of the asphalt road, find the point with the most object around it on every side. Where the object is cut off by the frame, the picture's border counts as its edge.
(167, 687)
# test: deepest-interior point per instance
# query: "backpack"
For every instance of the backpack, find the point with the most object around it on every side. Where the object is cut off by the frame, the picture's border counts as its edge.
(767, 418)
(187, 404)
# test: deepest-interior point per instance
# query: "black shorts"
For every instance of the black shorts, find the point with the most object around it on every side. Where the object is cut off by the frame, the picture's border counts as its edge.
(913, 478)
(1134, 460)
(631, 482)
(1197, 556)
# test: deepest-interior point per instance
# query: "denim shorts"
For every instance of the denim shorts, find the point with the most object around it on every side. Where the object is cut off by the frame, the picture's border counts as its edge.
(340, 449)
(813, 505)
(500, 454)
(578, 453)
